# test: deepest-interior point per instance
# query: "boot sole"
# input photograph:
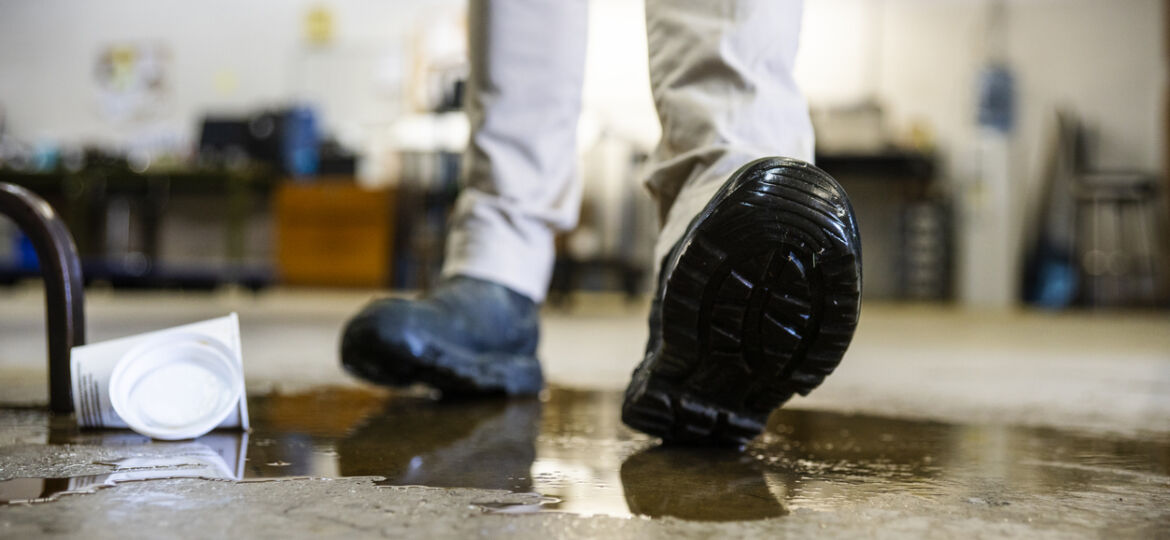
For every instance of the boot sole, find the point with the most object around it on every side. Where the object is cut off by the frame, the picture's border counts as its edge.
(759, 303)
(459, 373)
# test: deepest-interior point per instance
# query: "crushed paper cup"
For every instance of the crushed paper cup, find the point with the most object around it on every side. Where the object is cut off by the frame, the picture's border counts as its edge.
(173, 384)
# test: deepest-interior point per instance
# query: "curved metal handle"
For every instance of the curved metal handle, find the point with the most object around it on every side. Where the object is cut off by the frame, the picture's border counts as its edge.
(64, 294)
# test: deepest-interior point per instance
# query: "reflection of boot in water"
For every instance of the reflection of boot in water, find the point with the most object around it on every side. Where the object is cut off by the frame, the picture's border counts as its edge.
(474, 444)
(697, 484)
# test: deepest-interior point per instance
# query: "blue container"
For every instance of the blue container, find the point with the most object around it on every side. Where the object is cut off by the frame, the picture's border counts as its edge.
(26, 254)
(997, 98)
(300, 141)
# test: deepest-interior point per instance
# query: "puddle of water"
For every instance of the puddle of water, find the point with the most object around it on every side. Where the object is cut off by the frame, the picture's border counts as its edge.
(33, 490)
(571, 448)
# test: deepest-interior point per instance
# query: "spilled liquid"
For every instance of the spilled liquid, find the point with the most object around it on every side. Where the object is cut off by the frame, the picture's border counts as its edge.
(572, 449)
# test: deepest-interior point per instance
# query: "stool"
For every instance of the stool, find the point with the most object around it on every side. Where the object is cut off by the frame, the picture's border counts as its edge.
(1119, 239)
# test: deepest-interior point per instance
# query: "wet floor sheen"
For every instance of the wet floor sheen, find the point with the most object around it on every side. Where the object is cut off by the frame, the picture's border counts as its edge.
(571, 448)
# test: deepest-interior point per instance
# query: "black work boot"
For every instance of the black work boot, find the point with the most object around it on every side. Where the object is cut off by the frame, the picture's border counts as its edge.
(469, 336)
(756, 302)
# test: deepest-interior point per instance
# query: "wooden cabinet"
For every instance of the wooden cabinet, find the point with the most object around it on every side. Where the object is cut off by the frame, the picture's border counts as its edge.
(333, 233)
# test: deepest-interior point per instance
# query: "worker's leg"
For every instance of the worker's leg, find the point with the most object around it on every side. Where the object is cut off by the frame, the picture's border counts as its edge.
(520, 184)
(477, 331)
(760, 258)
(721, 73)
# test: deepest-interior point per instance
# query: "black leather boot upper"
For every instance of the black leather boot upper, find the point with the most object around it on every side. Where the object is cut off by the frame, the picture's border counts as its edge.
(460, 336)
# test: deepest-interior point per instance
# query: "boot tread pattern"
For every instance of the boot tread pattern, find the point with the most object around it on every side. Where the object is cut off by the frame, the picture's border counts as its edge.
(761, 305)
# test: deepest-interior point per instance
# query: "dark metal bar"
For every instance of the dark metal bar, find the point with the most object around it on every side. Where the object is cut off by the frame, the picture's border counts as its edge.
(64, 294)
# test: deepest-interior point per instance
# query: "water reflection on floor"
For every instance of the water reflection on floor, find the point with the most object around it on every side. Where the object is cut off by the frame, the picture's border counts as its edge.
(571, 447)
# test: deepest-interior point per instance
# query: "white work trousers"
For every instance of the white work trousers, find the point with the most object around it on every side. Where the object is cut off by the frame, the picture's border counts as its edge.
(721, 75)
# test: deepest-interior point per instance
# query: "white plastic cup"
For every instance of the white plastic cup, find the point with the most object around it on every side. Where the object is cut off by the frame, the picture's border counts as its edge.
(178, 385)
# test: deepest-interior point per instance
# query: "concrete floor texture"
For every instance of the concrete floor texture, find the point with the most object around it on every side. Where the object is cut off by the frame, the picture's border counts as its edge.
(940, 422)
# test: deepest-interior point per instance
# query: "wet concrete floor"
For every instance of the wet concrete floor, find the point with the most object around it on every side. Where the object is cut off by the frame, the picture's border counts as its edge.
(570, 449)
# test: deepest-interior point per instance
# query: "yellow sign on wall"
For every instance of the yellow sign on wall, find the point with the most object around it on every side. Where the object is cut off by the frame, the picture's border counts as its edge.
(319, 26)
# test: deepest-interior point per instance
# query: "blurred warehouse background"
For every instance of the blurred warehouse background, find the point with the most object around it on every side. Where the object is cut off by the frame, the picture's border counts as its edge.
(998, 152)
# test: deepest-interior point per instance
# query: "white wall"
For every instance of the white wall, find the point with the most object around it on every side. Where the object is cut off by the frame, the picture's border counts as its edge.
(1105, 60)
(225, 56)
(1102, 59)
